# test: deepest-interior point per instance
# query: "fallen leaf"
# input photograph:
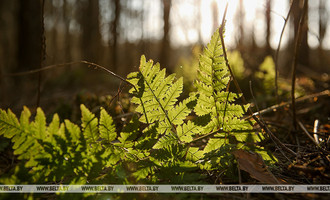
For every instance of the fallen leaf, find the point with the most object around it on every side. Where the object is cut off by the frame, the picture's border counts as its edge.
(255, 166)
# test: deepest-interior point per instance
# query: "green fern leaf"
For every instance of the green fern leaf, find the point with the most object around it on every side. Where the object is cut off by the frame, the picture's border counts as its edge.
(179, 113)
(194, 154)
(213, 78)
(9, 125)
(165, 142)
(89, 125)
(25, 119)
(39, 125)
(73, 130)
(53, 127)
(214, 144)
(187, 131)
(157, 95)
(106, 127)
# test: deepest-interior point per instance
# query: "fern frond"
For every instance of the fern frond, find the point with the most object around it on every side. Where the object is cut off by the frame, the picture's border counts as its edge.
(89, 123)
(213, 79)
(216, 106)
(159, 94)
(106, 127)
(39, 125)
(187, 131)
(214, 144)
(53, 127)
(9, 125)
(73, 130)
(165, 142)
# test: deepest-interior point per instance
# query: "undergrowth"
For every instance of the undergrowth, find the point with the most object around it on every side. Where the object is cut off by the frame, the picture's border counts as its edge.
(166, 141)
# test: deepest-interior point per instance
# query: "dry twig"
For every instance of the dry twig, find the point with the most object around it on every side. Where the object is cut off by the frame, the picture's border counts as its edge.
(277, 106)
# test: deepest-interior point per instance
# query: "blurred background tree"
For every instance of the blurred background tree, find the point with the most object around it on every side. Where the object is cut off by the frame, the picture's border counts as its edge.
(114, 33)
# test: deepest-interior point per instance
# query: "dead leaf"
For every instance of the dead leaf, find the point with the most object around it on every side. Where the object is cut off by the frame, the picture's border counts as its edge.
(254, 165)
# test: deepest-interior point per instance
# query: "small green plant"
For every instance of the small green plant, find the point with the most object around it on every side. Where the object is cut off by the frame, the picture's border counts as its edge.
(266, 75)
(166, 140)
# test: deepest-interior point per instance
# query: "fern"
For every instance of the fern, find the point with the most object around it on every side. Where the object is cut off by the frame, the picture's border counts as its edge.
(160, 143)
(212, 80)
(159, 94)
(159, 97)
(217, 105)
(61, 151)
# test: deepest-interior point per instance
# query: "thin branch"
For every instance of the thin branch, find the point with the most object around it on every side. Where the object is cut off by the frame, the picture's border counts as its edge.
(295, 60)
(307, 134)
(316, 126)
(74, 63)
(278, 50)
(277, 106)
(66, 65)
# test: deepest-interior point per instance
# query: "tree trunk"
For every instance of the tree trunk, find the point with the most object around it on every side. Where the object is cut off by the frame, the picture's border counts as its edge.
(164, 53)
(303, 57)
(30, 35)
(114, 34)
(240, 21)
(91, 38)
(67, 35)
(268, 26)
(323, 21)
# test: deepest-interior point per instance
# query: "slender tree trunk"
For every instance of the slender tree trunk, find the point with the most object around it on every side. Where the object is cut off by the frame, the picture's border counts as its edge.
(240, 21)
(268, 26)
(303, 57)
(67, 35)
(114, 34)
(323, 20)
(164, 57)
(91, 38)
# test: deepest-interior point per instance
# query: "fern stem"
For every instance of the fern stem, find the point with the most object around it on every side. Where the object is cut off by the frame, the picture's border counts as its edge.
(224, 113)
